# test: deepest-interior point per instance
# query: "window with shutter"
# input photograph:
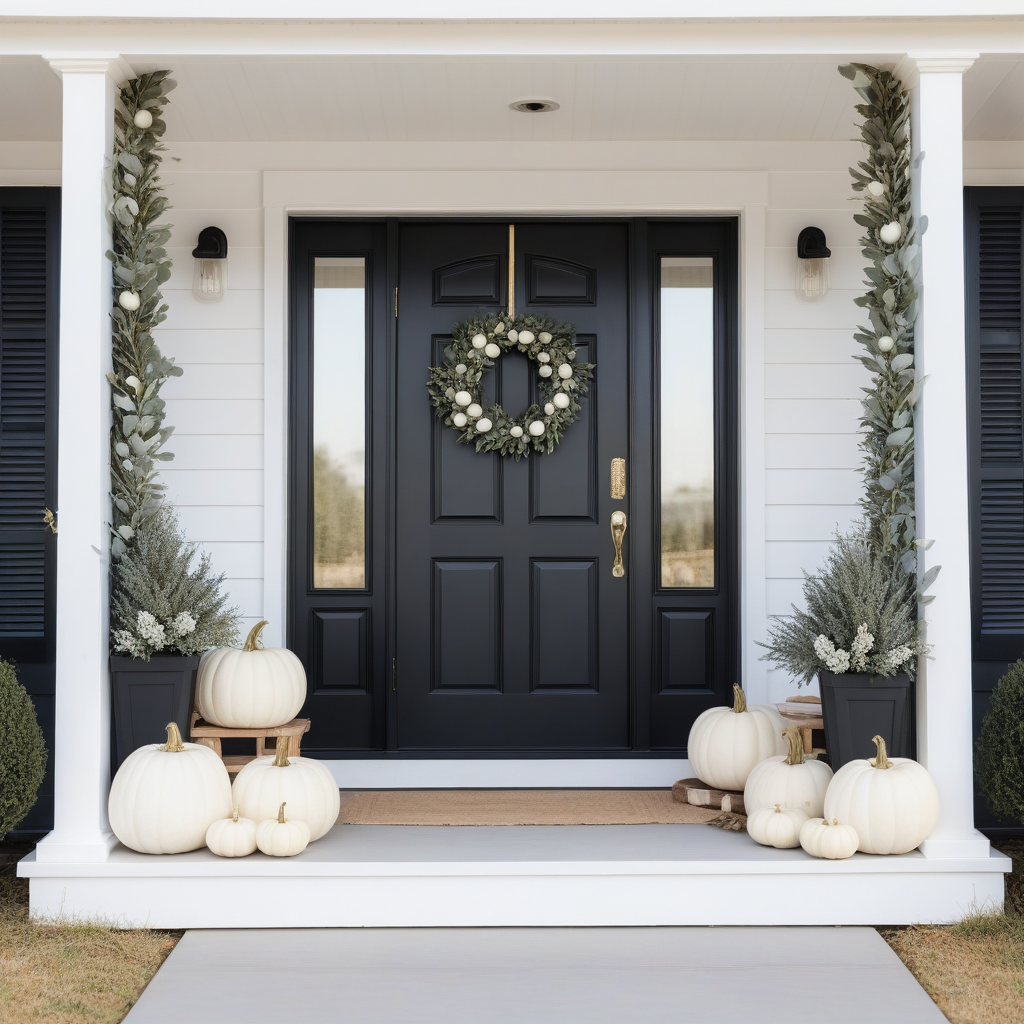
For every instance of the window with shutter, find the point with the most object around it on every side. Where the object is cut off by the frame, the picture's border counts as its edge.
(29, 262)
(994, 275)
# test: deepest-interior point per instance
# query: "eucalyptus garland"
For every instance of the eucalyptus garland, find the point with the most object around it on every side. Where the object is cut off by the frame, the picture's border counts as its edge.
(890, 243)
(141, 265)
(455, 386)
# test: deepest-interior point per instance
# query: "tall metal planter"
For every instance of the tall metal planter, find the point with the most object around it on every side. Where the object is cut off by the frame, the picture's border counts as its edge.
(149, 694)
(856, 706)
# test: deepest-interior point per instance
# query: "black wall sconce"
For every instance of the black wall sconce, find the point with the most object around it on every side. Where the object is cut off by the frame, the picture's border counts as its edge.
(210, 277)
(812, 277)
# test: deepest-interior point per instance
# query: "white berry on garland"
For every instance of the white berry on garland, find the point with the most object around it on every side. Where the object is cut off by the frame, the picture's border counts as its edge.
(456, 387)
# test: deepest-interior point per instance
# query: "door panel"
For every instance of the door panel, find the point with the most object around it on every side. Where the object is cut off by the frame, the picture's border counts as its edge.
(519, 639)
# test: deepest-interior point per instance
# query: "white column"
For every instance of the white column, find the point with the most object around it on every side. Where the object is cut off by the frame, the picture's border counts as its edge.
(82, 744)
(944, 686)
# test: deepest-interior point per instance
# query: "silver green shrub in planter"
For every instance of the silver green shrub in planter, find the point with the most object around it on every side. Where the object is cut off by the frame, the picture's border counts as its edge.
(1000, 750)
(22, 750)
(861, 617)
(164, 602)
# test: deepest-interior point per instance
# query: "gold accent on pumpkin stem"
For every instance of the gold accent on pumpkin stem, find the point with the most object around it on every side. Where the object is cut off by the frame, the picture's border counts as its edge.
(739, 701)
(173, 744)
(879, 760)
(281, 761)
(796, 745)
(280, 814)
(253, 641)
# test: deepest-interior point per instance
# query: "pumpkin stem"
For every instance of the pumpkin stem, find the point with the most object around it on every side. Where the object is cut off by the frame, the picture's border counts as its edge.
(281, 761)
(879, 760)
(173, 744)
(280, 814)
(796, 745)
(778, 808)
(234, 814)
(739, 701)
(253, 641)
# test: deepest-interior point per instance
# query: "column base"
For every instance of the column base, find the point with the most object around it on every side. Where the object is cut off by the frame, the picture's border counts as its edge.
(969, 845)
(78, 847)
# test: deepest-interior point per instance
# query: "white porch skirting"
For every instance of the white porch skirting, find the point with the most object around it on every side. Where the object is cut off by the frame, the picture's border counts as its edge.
(394, 876)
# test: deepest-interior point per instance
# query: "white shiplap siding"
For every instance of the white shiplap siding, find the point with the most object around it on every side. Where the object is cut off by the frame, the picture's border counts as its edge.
(216, 478)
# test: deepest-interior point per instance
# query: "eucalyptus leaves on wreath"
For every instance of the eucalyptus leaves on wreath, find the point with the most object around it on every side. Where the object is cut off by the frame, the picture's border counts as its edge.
(141, 265)
(890, 243)
(455, 386)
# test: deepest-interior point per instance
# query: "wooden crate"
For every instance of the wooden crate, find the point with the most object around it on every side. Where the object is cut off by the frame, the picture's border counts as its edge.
(693, 791)
(211, 736)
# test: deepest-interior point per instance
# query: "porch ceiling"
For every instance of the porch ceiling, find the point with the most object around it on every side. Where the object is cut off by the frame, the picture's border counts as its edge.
(466, 100)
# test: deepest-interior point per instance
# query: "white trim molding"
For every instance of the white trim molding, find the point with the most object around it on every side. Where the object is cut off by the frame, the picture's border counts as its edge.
(579, 192)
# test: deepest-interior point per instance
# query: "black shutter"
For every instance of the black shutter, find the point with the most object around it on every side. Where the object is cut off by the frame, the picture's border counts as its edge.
(29, 260)
(994, 223)
(994, 218)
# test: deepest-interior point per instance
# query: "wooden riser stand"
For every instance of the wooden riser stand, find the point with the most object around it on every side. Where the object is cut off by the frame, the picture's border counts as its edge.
(211, 736)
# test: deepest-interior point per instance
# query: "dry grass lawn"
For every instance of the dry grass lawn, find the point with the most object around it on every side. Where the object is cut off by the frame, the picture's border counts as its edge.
(973, 970)
(70, 973)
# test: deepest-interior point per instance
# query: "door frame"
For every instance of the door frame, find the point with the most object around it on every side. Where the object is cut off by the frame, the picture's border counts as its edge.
(409, 192)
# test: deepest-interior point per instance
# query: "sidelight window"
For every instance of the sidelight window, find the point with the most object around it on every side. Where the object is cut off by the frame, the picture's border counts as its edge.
(687, 434)
(339, 422)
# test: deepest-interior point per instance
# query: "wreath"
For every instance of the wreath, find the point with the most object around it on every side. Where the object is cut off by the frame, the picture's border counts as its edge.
(455, 386)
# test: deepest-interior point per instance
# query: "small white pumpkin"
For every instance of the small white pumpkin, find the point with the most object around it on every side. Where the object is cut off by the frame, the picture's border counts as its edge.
(891, 802)
(165, 796)
(791, 781)
(725, 743)
(279, 837)
(232, 837)
(776, 826)
(823, 838)
(307, 786)
(256, 687)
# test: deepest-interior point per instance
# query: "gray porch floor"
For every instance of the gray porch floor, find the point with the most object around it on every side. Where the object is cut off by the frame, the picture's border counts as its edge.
(535, 975)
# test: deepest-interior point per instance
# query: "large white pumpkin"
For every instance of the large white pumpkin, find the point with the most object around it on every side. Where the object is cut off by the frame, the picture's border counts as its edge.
(256, 687)
(891, 802)
(165, 796)
(790, 781)
(725, 743)
(306, 785)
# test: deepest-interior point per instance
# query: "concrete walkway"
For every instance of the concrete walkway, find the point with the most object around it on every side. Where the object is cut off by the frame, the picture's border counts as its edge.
(534, 976)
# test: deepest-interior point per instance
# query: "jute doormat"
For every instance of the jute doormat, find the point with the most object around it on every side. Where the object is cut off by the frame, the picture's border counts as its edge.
(522, 807)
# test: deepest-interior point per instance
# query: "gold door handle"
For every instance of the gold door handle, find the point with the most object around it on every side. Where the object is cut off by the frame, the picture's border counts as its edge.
(618, 532)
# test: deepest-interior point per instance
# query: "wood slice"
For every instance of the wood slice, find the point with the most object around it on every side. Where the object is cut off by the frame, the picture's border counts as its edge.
(693, 791)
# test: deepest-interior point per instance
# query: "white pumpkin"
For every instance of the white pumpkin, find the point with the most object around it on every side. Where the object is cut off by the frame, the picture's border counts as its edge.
(232, 837)
(823, 838)
(256, 687)
(725, 743)
(307, 786)
(777, 826)
(791, 780)
(165, 796)
(891, 802)
(279, 837)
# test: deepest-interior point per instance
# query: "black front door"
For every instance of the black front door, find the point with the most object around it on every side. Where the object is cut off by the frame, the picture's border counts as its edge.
(447, 601)
(512, 631)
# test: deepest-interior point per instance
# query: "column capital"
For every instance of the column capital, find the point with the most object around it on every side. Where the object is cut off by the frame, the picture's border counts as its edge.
(936, 62)
(112, 64)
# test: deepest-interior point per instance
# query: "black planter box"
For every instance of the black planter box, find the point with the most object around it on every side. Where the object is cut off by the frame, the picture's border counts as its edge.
(149, 694)
(857, 706)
